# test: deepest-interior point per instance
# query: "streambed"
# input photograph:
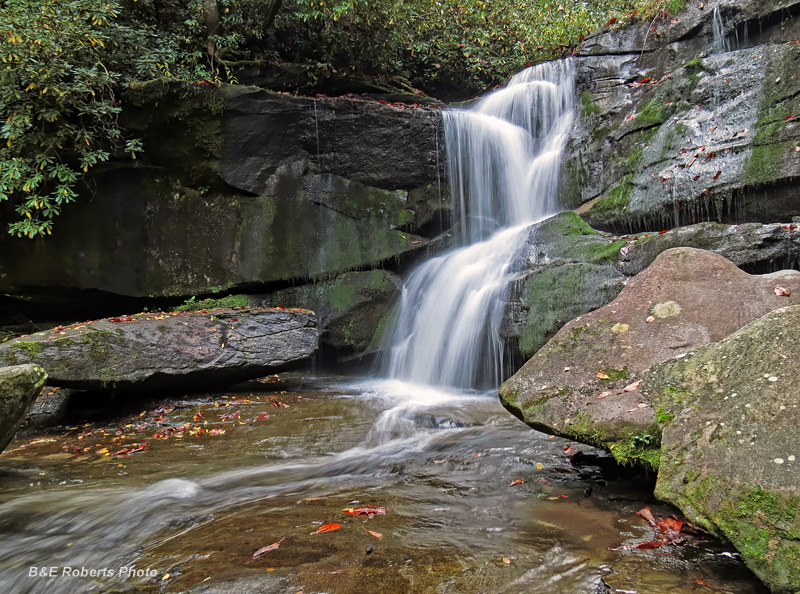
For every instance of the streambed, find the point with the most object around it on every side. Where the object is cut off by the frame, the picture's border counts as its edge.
(187, 513)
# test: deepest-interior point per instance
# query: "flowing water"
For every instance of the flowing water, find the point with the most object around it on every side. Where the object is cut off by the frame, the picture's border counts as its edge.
(474, 501)
(503, 167)
(187, 514)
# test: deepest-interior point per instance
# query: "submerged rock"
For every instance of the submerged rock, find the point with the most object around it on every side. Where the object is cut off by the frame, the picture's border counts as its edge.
(729, 414)
(160, 351)
(581, 384)
(19, 387)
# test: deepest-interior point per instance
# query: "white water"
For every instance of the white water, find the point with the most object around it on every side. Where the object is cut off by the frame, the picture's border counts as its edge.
(724, 40)
(503, 157)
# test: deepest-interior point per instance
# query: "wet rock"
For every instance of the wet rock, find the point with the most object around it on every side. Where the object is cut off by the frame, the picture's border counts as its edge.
(352, 309)
(673, 130)
(566, 269)
(185, 350)
(729, 413)
(280, 189)
(575, 385)
(19, 387)
(751, 246)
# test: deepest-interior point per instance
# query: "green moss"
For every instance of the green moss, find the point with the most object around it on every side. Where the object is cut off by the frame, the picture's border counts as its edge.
(638, 450)
(589, 106)
(676, 6)
(616, 200)
(341, 297)
(653, 114)
(615, 375)
(663, 417)
(31, 348)
(765, 164)
(229, 301)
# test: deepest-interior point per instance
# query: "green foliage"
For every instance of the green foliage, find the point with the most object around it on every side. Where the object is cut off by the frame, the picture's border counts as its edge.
(230, 301)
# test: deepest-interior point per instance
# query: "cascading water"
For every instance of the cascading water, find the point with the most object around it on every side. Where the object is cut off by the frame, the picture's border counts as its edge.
(503, 166)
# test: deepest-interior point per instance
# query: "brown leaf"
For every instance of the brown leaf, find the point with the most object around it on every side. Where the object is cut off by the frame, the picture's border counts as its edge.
(375, 534)
(601, 375)
(506, 560)
(632, 387)
(327, 528)
(267, 549)
(782, 291)
(647, 515)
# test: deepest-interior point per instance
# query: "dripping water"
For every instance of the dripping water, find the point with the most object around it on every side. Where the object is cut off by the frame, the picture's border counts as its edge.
(503, 160)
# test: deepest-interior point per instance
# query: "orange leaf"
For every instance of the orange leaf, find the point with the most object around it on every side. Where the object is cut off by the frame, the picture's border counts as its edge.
(271, 547)
(516, 482)
(375, 534)
(631, 387)
(326, 528)
(781, 291)
(506, 560)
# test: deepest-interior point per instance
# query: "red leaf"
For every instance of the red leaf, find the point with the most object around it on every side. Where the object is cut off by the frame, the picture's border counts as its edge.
(271, 547)
(326, 528)
(789, 117)
(262, 417)
(516, 482)
(367, 510)
(230, 416)
(717, 174)
(135, 447)
(198, 417)
(664, 231)
(610, 21)
(650, 544)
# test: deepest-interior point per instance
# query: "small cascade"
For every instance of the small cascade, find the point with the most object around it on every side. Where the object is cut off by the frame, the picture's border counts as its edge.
(724, 40)
(503, 159)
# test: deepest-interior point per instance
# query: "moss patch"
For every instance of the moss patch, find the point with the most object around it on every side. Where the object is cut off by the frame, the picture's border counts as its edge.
(229, 301)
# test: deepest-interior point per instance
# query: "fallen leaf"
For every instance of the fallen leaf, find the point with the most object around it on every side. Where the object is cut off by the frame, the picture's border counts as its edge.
(604, 394)
(267, 549)
(647, 515)
(262, 417)
(539, 466)
(375, 534)
(506, 560)
(314, 498)
(650, 319)
(516, 482)
(367, 510)
(165, 577)
(782, 291)
(632, 387)
(326, 528)
(601, 375)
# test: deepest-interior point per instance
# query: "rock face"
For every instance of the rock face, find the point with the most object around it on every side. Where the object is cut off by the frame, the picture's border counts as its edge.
(566, 269)
(19, 387)
(682, 124)
(150, 352)
(730, 447)
(574, 385)
(240, 188)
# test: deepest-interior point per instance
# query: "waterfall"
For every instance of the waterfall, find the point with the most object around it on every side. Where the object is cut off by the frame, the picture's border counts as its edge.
(725, 41)
(503, 159)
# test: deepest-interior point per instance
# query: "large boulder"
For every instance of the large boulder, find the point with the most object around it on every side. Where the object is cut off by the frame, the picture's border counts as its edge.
(681, 122)
(280, 190)
(574, 386)
(19, 387)
(160, 351)
(730, 413)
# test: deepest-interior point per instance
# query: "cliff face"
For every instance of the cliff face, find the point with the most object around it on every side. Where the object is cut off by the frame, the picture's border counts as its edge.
(689, 119)
(240, 187)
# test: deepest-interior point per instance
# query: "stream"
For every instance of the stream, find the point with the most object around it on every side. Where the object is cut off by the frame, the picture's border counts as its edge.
(219, 480)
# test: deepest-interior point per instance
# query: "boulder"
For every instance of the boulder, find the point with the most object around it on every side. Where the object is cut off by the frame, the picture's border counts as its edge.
(751, 246)
(282, 190)
(680, 123)
(19, 387)
(565, 269)
(581, 384)
(730, 458)
(161, 351)
(352, 309)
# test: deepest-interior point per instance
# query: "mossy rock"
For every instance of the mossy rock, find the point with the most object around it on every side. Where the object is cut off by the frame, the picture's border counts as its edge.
(730, 451)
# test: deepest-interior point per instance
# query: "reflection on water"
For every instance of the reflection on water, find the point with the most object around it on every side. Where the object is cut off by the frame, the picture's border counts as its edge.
(196, 507)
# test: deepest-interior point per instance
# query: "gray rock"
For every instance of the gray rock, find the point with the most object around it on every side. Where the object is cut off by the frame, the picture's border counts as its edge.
(19, 387)
(151, 352)
(751, 246)
(707, 136)
(574, 385)
(729, 413)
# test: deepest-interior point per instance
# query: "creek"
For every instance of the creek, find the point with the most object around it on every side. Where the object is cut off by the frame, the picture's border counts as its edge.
(198, 506)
